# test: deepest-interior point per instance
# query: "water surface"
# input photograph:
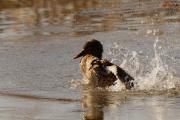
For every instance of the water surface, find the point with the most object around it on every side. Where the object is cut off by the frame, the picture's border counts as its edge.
(40, 80)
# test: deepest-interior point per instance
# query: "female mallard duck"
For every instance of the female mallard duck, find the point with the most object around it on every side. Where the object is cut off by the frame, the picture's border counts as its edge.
(100, 72)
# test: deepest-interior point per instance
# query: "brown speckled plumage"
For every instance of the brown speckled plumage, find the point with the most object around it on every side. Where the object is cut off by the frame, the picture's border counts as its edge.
(95, 72)
(95, 69)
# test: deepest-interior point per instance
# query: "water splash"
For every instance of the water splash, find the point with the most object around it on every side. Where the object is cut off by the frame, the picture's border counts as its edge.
(160, 76)
(149, 74)
(76, 83)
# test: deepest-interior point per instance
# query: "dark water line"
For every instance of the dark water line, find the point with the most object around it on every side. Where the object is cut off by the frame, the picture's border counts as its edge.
(35, 97)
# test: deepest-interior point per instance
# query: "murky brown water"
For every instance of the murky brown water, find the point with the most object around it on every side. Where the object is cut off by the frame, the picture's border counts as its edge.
(66, 17)
(39, 80)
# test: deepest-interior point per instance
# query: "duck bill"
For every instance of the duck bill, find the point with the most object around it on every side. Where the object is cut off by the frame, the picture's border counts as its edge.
(83, 52)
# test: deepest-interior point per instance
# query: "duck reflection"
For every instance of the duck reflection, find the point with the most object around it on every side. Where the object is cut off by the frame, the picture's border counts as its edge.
(94, 102)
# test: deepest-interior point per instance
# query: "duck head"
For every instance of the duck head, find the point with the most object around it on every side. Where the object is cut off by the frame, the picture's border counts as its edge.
(93, 47)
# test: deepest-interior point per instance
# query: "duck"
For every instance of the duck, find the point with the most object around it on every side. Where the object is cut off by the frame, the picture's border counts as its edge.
(99, 72)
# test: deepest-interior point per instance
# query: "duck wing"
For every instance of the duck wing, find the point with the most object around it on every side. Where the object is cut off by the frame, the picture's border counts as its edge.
(122, 75)
(108, 73)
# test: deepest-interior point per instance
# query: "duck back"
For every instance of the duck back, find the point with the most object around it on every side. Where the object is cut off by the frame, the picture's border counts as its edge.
(94, 72)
